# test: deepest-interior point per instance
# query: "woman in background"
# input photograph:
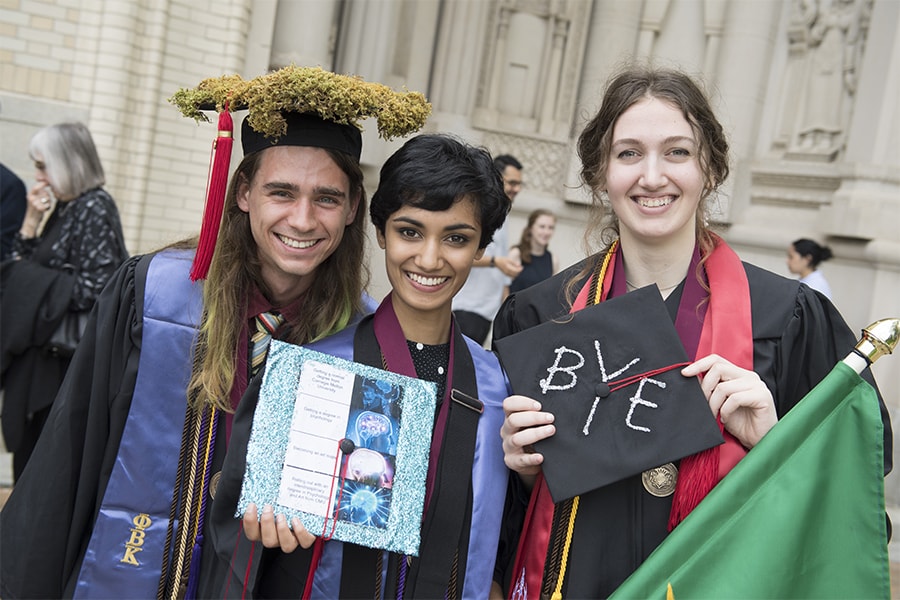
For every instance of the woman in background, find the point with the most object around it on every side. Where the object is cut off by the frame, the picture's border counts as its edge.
(804, 257)
(68, 247)
(537, 262)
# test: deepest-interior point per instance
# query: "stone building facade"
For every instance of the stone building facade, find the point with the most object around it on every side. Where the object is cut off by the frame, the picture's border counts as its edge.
(809, 91)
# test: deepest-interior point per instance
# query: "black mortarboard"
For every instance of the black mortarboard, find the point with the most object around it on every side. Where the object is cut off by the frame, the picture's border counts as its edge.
(305, 129)
(608, 374)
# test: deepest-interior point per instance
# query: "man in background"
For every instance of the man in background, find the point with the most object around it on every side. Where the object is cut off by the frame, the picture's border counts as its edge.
(478, 301)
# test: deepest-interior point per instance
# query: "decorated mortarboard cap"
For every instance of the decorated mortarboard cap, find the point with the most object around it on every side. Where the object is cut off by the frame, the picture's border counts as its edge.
(610, 374)
(293, 106)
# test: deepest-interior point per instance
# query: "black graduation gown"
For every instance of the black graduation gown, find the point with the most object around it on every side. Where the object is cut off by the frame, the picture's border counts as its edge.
(37, 293)
(798, 337)
(35, 300)
(45, 523)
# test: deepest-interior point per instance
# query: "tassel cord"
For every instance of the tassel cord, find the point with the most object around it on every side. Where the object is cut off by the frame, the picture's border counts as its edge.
(217, 183)
(570, 529)
(185, 522)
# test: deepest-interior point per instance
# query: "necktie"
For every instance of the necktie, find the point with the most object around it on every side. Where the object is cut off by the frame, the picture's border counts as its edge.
(266, 324)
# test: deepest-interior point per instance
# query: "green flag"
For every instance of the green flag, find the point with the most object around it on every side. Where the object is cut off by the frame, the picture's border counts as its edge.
(801, 516)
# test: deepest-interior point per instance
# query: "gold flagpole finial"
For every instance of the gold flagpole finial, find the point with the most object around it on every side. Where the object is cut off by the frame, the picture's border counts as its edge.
(878, 339)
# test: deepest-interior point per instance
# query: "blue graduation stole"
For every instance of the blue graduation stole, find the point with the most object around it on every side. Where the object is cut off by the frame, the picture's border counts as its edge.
(125, 553)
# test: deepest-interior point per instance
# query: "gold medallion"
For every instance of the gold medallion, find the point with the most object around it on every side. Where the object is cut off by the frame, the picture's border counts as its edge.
(214, 484)
(660, 481)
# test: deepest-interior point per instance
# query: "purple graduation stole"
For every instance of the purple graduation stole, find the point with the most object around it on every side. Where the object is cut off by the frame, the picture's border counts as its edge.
(125, 553)
(398, 360)
(484, 479)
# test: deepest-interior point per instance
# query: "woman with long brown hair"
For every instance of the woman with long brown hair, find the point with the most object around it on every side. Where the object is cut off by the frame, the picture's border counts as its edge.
(654, 156)
(533, 252)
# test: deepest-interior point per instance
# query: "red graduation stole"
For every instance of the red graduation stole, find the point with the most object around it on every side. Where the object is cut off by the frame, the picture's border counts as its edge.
(727, 331)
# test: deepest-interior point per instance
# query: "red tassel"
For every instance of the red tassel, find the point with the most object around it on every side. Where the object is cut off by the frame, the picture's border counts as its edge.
(318, 546)
(697, 476)
(215, 196)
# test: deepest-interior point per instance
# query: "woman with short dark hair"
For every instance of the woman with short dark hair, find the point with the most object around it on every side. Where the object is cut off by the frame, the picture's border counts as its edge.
(804, 257)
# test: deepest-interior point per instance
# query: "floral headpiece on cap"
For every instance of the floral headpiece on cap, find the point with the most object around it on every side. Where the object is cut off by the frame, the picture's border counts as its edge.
(293, 106)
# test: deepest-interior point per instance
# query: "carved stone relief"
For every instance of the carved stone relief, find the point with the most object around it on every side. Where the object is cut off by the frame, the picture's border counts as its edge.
(531, 65)
(826, 40)
(682, 33)
(544, 162)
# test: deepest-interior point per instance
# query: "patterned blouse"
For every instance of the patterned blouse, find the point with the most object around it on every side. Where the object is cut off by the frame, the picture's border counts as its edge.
(83, 237)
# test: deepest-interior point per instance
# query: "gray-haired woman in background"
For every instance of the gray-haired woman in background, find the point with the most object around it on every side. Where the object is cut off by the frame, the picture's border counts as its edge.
(68, 247)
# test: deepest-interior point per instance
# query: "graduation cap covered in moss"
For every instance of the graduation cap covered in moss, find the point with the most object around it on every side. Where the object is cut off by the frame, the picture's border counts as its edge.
(293, 106)
(610, 374)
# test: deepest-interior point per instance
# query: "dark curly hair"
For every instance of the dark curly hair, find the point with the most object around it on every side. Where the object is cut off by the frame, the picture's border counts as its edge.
(432, 171)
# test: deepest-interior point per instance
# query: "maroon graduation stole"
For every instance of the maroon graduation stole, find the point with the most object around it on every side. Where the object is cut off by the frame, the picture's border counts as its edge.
(727, 331)
(397, 359)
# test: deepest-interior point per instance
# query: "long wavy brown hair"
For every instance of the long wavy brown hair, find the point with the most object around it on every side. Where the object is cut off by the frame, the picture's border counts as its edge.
(524, 244)
(328, 307)
(625, 89)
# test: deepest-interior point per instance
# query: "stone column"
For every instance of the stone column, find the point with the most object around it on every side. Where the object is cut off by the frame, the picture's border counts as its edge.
(391, 42)
(874, 132)
(612, 39)
(315, 46)
(497, 66)
(546, 121)
(458, 58)
(362, 50)
(654, 11)
(742, 77)
(682, 39)
(260, 37)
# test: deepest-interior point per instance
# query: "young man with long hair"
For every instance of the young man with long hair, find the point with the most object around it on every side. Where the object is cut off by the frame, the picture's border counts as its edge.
(114, 505)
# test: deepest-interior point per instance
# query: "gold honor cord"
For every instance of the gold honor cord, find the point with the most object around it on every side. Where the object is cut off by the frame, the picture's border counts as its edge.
(557, 592)
(570, 529)
(190, 513)
(174, 515)
(188, 499)
(598, 293)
